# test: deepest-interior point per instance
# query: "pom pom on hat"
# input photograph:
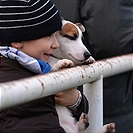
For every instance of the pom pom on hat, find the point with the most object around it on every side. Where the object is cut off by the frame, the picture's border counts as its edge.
(22, 20)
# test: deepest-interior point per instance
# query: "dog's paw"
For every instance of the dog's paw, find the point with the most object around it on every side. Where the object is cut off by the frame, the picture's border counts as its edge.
(108, 128)
(111, 128)
(90, 60)
(64, 63)
(83, 122)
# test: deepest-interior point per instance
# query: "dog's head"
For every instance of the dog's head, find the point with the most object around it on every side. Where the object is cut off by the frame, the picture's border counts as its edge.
(70, 41)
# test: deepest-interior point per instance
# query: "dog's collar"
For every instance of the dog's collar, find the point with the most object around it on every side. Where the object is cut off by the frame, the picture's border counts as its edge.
(56, 57)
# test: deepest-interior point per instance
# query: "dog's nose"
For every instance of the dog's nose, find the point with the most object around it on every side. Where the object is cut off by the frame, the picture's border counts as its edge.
(87, 55)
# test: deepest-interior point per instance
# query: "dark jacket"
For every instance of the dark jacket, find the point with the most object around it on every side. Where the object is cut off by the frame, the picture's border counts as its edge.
(109, 33)
(38, 116)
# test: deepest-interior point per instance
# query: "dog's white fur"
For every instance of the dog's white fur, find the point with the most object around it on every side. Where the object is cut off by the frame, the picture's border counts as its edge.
(71, 52)
(70, 49)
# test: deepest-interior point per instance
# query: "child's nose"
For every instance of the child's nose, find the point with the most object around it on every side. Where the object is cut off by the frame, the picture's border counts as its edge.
(55, 43)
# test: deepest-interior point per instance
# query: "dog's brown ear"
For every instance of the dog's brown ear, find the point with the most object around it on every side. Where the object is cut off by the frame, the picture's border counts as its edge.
(81, 27)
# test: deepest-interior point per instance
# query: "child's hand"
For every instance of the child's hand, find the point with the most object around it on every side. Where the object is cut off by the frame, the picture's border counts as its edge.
(67, 98)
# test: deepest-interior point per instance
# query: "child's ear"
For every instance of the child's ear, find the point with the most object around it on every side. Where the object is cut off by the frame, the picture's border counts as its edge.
(17, 45)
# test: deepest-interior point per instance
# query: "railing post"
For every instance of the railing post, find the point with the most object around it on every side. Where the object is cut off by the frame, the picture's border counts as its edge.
(94, 93)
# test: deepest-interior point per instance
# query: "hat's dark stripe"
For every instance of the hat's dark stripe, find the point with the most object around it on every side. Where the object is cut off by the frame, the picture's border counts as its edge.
(17, 3)
(41, 15)
(11, 10)
(25, 17)
(39, 9)
(23, 24)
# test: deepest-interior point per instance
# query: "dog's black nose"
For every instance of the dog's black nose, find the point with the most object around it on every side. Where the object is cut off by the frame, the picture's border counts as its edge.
(87, 55)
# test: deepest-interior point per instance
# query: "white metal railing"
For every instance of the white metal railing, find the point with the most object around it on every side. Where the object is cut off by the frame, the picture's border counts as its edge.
(28, 89)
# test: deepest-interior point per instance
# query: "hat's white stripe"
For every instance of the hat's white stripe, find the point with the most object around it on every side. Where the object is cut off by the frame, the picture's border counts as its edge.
(26, 12)
(18, 0)
(21, 6)
(30, 24)
(17, 20)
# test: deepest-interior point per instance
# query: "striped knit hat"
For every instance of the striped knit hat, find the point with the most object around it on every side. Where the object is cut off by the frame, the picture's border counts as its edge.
(22, 20)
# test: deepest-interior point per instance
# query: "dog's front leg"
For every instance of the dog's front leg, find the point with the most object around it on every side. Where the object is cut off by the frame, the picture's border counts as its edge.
(83, 123)
(64, 63)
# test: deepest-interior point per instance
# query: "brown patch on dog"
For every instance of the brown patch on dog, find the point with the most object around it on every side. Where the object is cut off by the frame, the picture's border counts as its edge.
(69, 30)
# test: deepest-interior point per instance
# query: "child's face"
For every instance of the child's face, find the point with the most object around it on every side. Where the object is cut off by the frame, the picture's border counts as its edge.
(39, 48)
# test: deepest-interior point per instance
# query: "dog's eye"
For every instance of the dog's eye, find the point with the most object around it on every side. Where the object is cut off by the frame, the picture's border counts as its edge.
(74, 37)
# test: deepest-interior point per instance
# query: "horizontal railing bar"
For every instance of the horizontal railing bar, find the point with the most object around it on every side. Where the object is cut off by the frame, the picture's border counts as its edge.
(28, 89)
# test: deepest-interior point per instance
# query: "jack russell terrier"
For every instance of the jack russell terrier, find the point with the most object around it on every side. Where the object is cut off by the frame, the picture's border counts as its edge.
(72, 52)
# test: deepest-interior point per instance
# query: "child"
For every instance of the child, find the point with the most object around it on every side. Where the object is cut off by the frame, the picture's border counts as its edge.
(27, 38)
